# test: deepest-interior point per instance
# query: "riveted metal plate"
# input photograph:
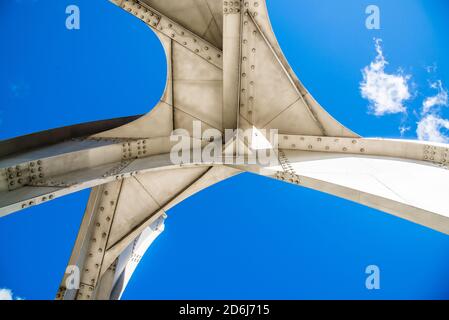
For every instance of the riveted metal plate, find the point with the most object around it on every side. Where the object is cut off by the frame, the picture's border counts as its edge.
(175, 31)
(105, 209)
(142, 11)
(135, 149)
(232, 7)
(24, 174)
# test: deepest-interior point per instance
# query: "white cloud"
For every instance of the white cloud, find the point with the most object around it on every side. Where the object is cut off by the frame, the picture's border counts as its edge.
(386, 92)
(432, 127)
(439, 100)
(5, 294)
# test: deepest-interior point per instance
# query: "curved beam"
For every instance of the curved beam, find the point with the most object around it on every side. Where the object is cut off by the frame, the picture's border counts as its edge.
(404, 178)
(54, 136)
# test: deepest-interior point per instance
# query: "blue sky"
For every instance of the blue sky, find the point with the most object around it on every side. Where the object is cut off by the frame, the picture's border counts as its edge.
(271, 241)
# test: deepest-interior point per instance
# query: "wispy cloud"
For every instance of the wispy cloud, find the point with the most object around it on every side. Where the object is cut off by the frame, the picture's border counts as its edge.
(439, 100)
(433, 128)
(403, 130)
(385, 92)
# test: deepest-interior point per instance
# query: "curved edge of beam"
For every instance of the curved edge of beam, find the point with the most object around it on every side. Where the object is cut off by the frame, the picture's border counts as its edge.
(54, 136)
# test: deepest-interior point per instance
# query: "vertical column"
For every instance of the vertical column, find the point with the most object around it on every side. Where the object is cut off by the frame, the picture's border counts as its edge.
(90, 246)
(232, 25)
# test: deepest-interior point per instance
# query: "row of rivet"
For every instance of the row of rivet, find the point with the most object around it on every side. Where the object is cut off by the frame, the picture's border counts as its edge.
(36, 201)
(288, 177)
(136, 257)
(134, 149)
(248, 68)
(142, 12)
(437, 155)
(434, 154)
(322, 144)
(101, 228)
(285, 164)
(86, 291)
(23, 174)
(60, 293)
(116, 170)
(231, 7)
(175, 31)
(54, 182)
(253, 4)
(288, 174)
(191, 42)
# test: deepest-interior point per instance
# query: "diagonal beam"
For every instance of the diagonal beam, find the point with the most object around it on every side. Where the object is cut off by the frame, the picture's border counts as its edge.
(312, 113)
(173, 30)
